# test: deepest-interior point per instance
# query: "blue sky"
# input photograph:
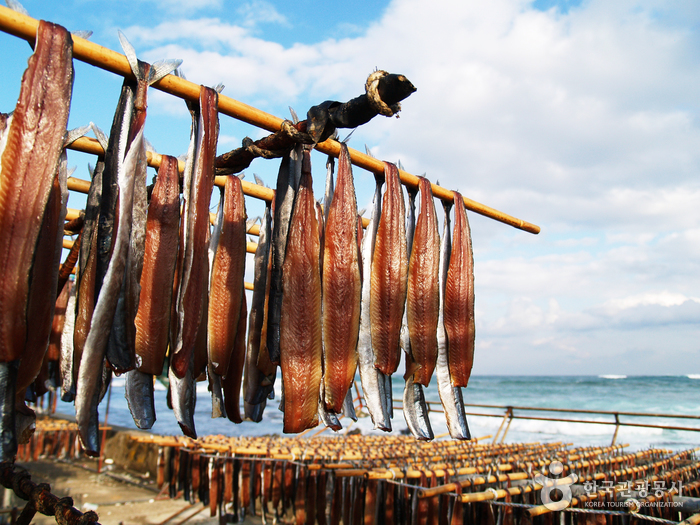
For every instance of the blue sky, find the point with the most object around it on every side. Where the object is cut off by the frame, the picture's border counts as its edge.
(581, 117)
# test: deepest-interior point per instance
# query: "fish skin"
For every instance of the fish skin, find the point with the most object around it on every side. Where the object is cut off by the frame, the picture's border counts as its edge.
(85, 279)
(43, 278)
(415, 409)
(183, 396)
(389, 275)
(451, 397)
(121, 349)
(232, 381)
(114, 156)
(288, 179)
(194, 275)
(66, 362)
(342, 289)
(423, 301)
(138, 391)
(227, 285)
(264, 363)
(459, 300)
(372, 379)
(161, 249)
(217, 395)
(33, 144)
(89, 376)
(300, 325)
(254, 392)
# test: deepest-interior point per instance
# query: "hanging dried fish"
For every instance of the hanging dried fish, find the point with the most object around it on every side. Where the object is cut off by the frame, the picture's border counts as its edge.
(415, 409)
(91, 363)
(153, 316)
(199, 181)
(217, 395)
(227, 285)
(287, 184)
(342, 289)
(389, 272)
(459, 300)
(86, 276)
(423, 301)
(121, 351)
(300, 326)
(372, 379)
(451, 397)
(31, 145)
(254, 392)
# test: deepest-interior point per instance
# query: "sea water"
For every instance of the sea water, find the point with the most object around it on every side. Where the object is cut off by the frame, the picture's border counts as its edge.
(672, 395)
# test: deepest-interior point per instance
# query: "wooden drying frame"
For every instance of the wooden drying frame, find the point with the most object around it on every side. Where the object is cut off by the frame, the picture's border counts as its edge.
(25, 27)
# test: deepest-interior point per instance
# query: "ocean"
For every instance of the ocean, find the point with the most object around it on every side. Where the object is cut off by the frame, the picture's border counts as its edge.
(673, 395)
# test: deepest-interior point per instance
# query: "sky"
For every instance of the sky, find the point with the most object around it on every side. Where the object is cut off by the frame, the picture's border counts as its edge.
(582, 117)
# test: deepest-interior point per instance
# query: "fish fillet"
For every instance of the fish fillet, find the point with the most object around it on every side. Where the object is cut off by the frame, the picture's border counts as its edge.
(194, 277)
(459, 299)
(342, 289)
(423, 301)
(254, 391)
(34, 143)
(300, 325)
(227, 272)
(162, 231)
(389, 275)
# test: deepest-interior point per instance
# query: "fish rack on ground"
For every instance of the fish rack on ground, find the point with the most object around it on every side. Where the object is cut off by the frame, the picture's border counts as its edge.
(395, 479)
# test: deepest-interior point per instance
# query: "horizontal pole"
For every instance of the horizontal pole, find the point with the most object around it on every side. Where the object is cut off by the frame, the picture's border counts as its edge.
(25, 27)
(399, 406)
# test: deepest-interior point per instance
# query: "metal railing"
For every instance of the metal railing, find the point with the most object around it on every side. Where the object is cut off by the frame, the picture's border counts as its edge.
(508, 413)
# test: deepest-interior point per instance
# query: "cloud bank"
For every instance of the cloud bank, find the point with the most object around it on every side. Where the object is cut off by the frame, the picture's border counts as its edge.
(584, 122)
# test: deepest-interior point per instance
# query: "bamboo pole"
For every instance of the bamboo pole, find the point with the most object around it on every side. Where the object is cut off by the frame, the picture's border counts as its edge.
(25, 27)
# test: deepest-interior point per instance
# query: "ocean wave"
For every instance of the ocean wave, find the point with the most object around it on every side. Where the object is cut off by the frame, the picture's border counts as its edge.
(693, 376)
(612, 376)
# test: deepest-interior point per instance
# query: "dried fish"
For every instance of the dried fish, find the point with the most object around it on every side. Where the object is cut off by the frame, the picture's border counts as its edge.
(153, 316)
(451, 397)
(31, 143)
(121, 351)
(255, 393)
(300, 326)
(415, 409)
(199, 181)
(389, 272)
(342, 289)
(423, 301)
(89, 374)
(32, 146)
(459, 300)
(288, 180)
(227, 285)
(372, 379)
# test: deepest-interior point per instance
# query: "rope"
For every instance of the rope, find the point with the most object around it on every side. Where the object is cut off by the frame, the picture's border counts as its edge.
(372, 89)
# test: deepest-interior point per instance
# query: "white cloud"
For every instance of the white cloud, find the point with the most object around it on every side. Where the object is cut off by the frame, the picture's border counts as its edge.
(260, 12)
(585, 123)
